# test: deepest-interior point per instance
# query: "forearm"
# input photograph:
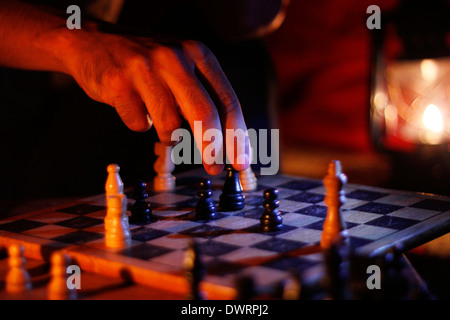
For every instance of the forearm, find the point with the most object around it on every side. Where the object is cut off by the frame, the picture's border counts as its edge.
(32, 37)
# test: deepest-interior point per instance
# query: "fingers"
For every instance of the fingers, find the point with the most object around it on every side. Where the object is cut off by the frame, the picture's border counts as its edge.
(160, 104)
(132, 111)
(237, 146)
(196, 105)
(190, 81)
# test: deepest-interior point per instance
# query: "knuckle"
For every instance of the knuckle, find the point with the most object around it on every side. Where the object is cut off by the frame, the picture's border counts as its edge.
(231, 104)
(165, 53)
(206, 114)
(137, 62)
(112, 85)
(113, 80)
(198, 49)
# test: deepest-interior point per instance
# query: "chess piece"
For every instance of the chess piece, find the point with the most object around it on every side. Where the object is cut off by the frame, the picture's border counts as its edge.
(247, 177)
(194, 271)
(17, 279)
(57, 288)
(292, 287)
(271, 219)
(164, 166)
(231, 198)
(336, 276)
(205, 209)
(141, 210)
(395, 285)
(114, 184)
(334, 228)
(245, 287)
(117, 232)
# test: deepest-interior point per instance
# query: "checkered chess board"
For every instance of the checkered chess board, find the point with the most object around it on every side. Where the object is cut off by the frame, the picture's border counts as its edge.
(231, 245)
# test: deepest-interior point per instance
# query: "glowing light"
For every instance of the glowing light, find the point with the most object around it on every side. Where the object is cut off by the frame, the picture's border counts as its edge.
(432, 118)
(391, 113)
(380, 100)
(429, 70)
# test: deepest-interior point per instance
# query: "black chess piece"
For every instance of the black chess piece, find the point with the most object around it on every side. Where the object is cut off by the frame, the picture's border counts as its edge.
(205, 209)
(141, 210)
(232, 198)
(195, 271)
(336, 277)
(394, 282)
(271, 219)
(245, 287)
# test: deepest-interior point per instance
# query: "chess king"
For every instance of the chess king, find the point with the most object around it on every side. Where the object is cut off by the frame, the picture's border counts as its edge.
(334, 227)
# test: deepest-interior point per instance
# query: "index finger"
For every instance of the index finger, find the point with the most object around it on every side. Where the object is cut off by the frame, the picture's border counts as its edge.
(196, 105)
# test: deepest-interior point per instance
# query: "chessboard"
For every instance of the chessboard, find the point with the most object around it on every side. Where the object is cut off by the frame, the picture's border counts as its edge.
(232, 246)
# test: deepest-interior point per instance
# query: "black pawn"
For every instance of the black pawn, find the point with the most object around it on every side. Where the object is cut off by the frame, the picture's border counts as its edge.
(205, 209)
(232, 198)
(141, 210)
(195, 271)
(271, 219)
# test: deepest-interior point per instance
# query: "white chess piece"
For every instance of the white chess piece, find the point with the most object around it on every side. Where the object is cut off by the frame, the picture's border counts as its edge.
(117, 230)
(334, 227)
(57, 288)
(164, 166)
(114, 184)
(17, 280)
(247, 177)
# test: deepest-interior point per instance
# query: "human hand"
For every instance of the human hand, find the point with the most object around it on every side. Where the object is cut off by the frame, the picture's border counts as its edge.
(153, 83)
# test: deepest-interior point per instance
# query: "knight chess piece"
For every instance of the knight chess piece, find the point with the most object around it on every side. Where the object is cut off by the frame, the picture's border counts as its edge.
(271, 219)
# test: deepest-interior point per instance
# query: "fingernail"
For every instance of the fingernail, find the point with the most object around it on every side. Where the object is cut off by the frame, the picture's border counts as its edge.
(215, 169)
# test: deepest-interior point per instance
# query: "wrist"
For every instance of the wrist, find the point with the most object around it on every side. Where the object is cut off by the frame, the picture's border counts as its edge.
(61, 46)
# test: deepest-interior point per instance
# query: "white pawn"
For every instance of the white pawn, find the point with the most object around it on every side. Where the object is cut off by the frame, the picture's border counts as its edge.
(17, 280)
(57, 288)
(247, 177)
(114, 184)
(117, 230)
(164, 166)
